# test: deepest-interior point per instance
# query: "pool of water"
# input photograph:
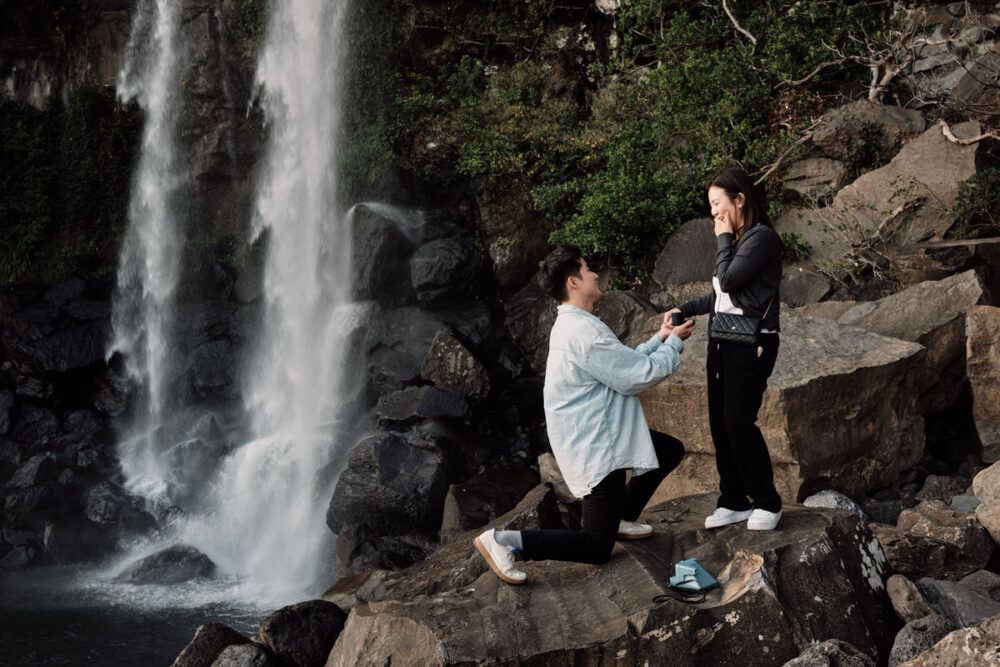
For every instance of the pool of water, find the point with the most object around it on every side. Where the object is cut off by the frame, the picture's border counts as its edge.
(69, 616)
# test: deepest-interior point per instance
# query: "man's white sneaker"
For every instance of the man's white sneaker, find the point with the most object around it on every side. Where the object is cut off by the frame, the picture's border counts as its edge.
(632, 530)
(763, 520)
(500, 558)
(724, 516)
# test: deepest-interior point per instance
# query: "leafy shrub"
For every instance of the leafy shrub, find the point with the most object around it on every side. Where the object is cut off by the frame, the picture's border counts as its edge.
(865, 152)
(977, 206)
(794, 247)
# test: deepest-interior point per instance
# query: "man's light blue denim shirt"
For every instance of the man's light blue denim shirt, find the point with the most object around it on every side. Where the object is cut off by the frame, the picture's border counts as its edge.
(593, 415)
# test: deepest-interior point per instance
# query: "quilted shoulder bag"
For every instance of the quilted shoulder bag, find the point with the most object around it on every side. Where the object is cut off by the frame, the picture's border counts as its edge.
(737, 328)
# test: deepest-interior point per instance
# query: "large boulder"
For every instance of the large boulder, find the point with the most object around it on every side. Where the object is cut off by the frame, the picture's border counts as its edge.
(982, 327)
(397, 341)
(387, 505)
(381, 250)
(934, 260)
(839, 129)
(986, 484)
(450, 365)
(932, 540)
(923, 181)
(940, 328)
(959, 603)
(481, 498)
(208, 642)
(173, 565)
(247, 655)
(813, 179)
(688, 256)
(979, 645)
(303, 633)
(907, 201)
(853, 444)
(917, 636)
(625, 312)
(820, 577)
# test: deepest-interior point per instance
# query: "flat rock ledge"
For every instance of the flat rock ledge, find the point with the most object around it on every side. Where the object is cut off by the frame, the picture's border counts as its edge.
(839, 411)
(819, 577)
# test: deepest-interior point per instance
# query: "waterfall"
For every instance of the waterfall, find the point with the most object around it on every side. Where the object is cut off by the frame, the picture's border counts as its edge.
(270, 496)
(149, 263)
(259, 512)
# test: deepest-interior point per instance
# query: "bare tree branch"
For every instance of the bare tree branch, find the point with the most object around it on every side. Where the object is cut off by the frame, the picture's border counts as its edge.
(736, 24)
(946, 131)
(788, 151)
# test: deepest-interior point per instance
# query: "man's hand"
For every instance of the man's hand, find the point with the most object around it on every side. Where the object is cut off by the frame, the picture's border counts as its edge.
(683, 332)
(723, 225)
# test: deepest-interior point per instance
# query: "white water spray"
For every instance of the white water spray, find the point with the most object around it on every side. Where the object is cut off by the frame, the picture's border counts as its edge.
(149, 263)
(271, 494)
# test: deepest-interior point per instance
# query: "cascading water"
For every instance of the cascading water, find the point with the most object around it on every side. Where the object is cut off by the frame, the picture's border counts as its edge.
(266, 517)
(149, 264)
(259, 513)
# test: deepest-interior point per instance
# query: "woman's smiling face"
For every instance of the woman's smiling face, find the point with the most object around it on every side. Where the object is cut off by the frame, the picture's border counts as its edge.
(725, 208)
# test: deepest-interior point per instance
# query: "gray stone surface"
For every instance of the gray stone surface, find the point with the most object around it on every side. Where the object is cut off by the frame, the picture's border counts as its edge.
(840, 128)
(818, 577)
(813, 179)
(814, 442)
(940, 327)
(960, 604)
(689, 254)
(801, 284)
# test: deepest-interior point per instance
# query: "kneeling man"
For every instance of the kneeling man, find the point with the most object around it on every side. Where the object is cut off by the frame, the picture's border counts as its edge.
(596, 426)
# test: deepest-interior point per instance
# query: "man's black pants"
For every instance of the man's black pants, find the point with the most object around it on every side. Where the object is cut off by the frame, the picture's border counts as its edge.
(737, 378)
(608, 503)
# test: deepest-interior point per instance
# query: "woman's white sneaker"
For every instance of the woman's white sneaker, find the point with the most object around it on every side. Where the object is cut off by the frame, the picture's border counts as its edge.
(724, 516)
(632, 530)
(763, 520)
(500, 558)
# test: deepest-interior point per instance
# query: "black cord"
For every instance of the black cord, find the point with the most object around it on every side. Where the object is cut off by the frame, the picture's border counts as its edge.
(687, 596)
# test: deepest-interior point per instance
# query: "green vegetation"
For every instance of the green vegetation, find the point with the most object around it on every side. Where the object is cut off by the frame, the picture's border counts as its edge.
(794, 247)
(865, 152)
(977, 206)
(65, 173)
(608, 140)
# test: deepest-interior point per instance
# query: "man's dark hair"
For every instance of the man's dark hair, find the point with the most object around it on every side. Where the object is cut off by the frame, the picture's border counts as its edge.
(563, 262)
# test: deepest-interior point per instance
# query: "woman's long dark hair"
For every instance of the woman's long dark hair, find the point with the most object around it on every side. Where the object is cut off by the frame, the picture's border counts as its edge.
(735, 182)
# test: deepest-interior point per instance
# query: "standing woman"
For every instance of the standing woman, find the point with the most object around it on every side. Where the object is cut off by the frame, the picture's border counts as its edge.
(745, 282)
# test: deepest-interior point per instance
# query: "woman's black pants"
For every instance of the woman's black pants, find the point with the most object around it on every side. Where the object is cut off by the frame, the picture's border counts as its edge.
(737, 378)
(608, 503)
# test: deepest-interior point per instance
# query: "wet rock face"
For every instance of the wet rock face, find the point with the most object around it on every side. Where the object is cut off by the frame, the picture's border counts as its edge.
(173, 565)
(815, 442)
(209, 641)
(303, 633)
(818, 577)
